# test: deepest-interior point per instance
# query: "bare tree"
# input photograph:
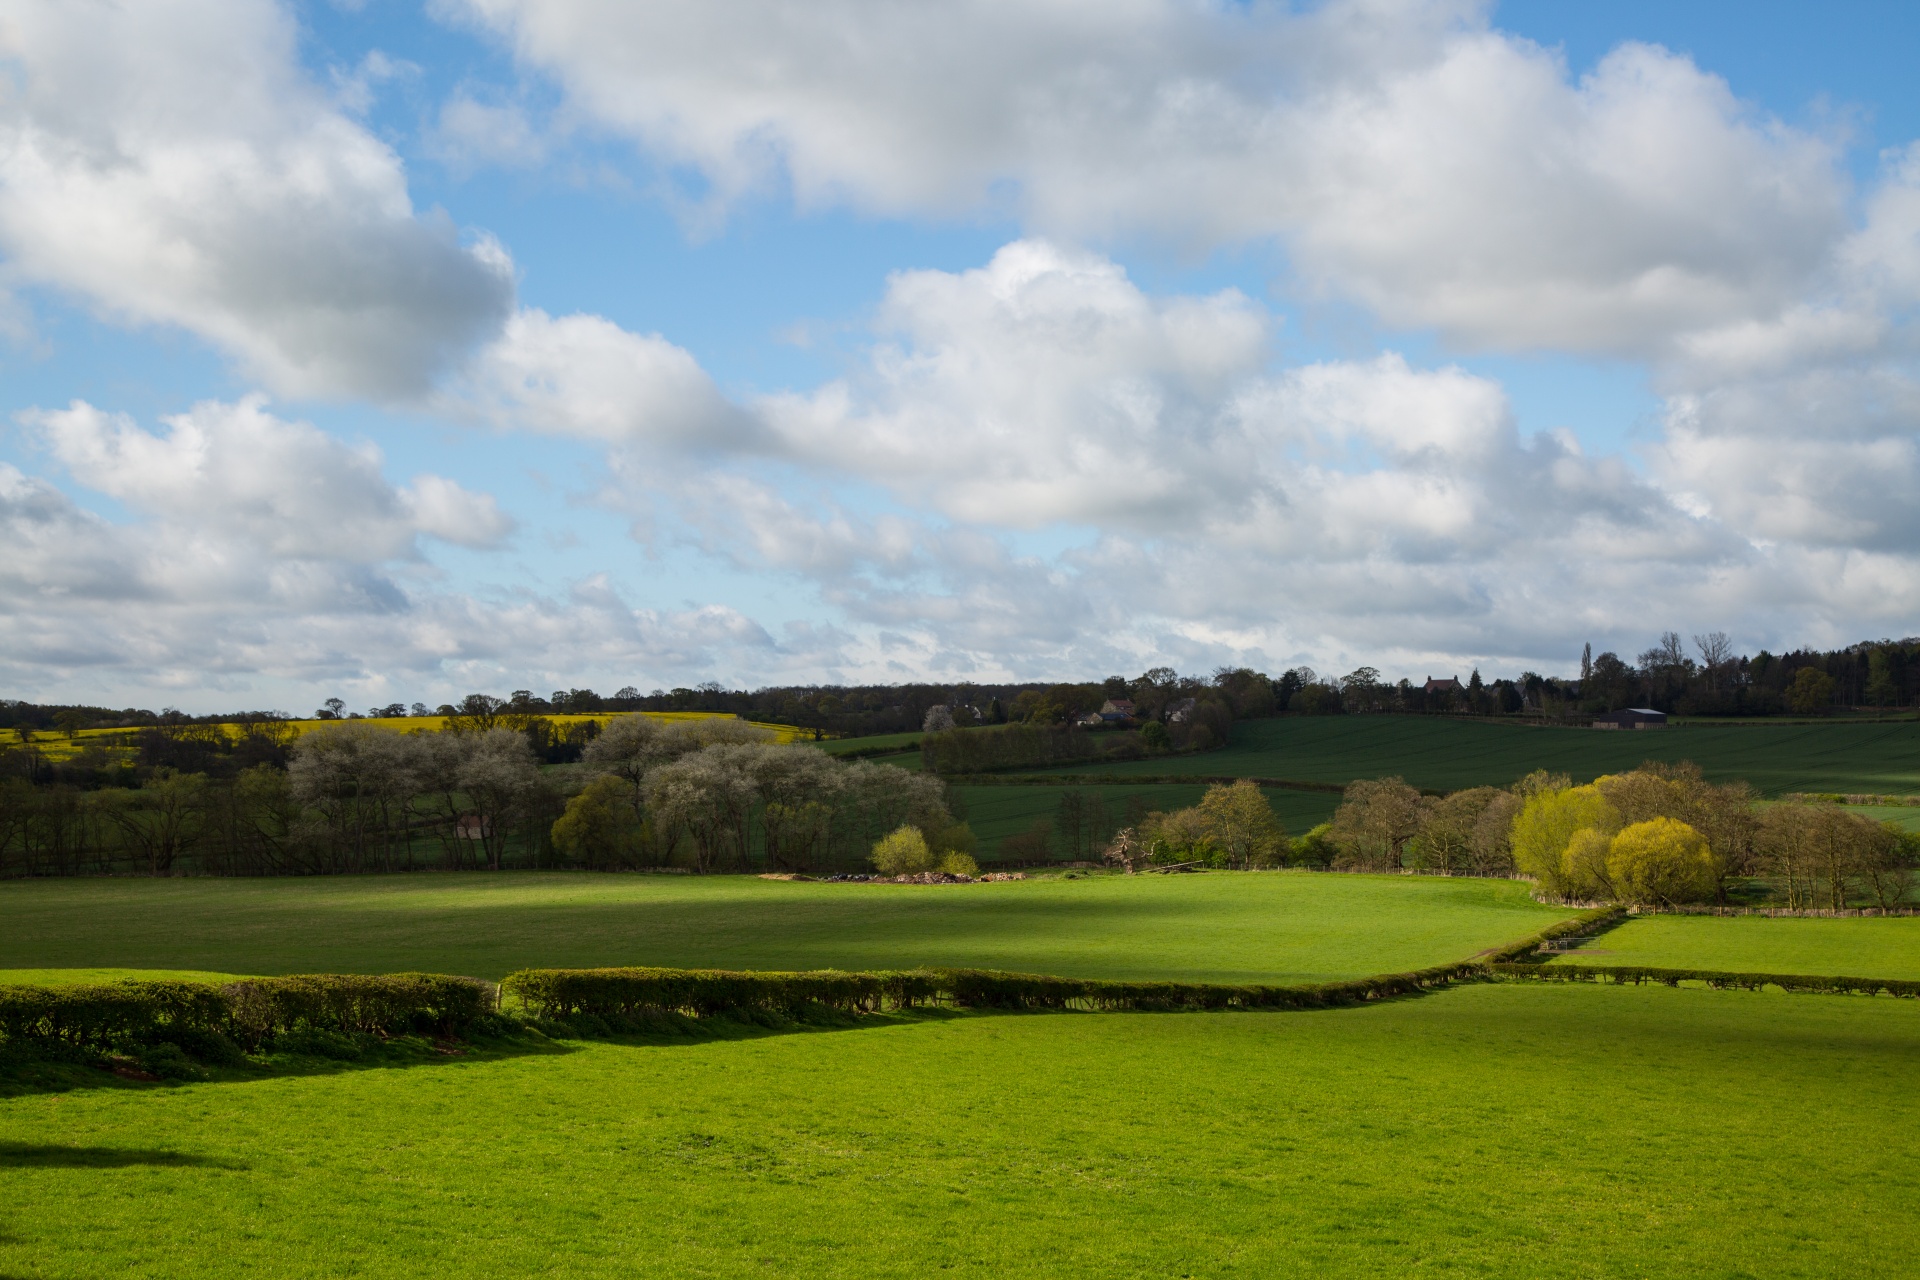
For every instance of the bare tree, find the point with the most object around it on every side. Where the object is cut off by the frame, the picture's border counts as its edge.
(1716, 653)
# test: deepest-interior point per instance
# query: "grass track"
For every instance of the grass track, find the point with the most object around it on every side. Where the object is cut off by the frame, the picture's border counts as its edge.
(1225, 926)
(1489, 1131)
(1856, 948)
(1449, 754)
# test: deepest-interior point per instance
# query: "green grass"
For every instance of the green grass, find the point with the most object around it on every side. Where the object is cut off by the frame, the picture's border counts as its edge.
(1880, 947)
(1493, 1131)
(70, 977)
(873, 742)
(1450, 754)
(1224, 926)
(996, 812)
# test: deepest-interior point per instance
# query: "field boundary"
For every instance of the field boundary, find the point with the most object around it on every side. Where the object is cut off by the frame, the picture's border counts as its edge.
(1030, 779)
(1719, 980)
(1778, 913)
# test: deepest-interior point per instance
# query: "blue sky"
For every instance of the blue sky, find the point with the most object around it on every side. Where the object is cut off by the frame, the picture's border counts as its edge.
(398, 351)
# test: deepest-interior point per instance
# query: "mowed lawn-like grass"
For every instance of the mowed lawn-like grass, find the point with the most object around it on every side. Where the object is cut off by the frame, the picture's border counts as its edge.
(1883, 758)
(1496, 1130)
(1877, 947)
(1272, 926)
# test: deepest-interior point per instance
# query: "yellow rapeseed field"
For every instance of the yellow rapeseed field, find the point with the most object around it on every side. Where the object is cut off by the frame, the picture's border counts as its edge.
(57, 746)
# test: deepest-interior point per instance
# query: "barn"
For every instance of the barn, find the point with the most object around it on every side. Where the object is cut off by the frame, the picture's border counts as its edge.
(1632, 718)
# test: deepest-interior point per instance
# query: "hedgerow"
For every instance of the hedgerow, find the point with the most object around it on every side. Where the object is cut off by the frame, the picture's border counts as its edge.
(629, 993)
(1637, 975)
(253, 1012)
(565, 993)
(1581, 925)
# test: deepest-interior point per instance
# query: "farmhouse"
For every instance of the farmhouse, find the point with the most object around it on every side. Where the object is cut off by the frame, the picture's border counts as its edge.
(1182, 711)
(1632, 718)
(1449, 685)
(1116, 710)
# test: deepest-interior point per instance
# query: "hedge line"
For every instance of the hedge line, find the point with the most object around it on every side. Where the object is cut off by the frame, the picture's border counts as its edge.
(1575, 926)
(1717, 979)
(702, 992)
(253, 1012)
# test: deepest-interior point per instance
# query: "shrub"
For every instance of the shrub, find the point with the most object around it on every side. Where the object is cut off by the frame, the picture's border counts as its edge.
(959, 864)
(904, 852)
(386, 1004)
(1314, 849)
(169, 1062)
(1661, 860)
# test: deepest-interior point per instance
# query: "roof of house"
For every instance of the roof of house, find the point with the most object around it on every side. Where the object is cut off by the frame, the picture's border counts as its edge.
(1450, 682)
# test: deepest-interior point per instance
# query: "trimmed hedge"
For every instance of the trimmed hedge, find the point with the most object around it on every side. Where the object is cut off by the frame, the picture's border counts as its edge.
(253, 1012)
(700, 992)
(703, 992)
(1720, 980)
(1587, 922)
(259, 1009)
(97, 1014)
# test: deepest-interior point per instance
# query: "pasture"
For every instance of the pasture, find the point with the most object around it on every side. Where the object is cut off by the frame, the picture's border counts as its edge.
(1495, 1131)
(1879, 947)
(996, 812)
(1429, 751)
(1223, 927)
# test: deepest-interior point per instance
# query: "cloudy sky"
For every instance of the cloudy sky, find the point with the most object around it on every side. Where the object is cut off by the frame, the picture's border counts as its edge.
(397, 350)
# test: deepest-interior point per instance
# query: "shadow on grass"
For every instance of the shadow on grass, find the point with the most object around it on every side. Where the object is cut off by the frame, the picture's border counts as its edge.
(43, 1155)
(24, 1071)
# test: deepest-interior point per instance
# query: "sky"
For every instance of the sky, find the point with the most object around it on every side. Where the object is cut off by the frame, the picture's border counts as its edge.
(394, 351)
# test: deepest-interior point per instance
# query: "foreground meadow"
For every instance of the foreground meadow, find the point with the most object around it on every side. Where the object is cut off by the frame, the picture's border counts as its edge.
(1882, 947)
(1495, 1130)
(1221, 927)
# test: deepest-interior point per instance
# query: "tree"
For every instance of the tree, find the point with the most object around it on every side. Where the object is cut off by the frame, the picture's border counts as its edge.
(1446, 840)
(1811, 692)
(1661, 861)
(1543, 834)
(165, 818)
(499, 777)
(1241, 822)
(1374, 822)
(902, 852)
(477, 713)
(1716, 654)
(599, 828)
(1883, 690)
(1891, 865)
(939, 719)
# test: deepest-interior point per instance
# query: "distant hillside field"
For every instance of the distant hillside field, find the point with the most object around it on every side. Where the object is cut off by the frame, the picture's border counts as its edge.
(996, 812)
(1449, 754)
(1223, 927)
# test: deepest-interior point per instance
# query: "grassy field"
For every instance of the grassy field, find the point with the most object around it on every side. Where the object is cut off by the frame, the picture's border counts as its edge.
(1228, 927)
(1492, 1131)
(997, 812)
(1857, 948)
(877, 744)
(1449, 754)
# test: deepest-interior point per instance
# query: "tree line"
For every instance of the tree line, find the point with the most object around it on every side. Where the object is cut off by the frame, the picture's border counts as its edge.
(1701, 676)
(1658, 835)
